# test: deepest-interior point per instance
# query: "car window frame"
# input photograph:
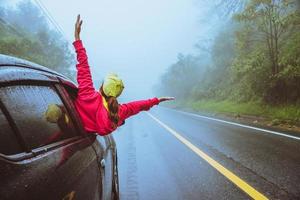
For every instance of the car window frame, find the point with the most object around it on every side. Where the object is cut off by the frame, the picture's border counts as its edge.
(69, 104)
(33, 152)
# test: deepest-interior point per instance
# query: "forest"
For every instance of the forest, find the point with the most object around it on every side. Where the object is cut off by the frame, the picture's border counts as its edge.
(25, 32)
(251, 65)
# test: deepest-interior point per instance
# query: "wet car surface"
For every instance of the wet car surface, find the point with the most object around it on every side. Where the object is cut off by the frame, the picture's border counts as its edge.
(45, 152)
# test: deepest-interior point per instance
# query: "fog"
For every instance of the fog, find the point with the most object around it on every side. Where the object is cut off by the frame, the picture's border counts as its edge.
(194, 49)
(136, 39)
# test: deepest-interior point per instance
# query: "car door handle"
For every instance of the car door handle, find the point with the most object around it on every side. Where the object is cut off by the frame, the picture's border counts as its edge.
(102, 163)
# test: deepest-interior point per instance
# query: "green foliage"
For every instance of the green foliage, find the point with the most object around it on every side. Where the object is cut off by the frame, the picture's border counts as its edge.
(254, 58)
(24, 33)
(218, 78)
(181, 77)
(264, 43)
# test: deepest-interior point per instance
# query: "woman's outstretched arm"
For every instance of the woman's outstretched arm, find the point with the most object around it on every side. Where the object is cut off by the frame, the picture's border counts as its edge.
(132, 108)
(84, 77)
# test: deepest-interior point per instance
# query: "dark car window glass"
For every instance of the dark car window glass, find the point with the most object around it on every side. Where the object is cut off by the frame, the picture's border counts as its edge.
(39, 114)
(8, 141)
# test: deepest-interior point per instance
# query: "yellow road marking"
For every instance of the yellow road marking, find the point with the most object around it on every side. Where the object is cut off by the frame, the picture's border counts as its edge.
(228, 174)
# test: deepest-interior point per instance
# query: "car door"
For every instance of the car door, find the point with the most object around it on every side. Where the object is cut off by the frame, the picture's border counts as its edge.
(55, 161)
(104, 149)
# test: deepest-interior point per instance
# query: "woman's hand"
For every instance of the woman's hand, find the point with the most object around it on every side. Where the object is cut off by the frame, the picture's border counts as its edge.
(161, 99)
(78, 28)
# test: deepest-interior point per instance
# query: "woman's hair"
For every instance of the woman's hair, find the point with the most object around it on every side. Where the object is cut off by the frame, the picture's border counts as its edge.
(113, 108)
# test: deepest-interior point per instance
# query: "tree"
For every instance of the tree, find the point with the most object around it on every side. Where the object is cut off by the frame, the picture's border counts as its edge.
(265, 62)
(25, 33)
(254, 57)
(181, 77)
(269, 21)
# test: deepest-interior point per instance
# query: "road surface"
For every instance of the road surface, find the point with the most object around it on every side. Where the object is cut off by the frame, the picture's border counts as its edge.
(166, 154)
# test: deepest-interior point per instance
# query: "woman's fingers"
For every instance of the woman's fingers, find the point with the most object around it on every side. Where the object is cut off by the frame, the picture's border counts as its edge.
(78, 22)
(78, 28)
(166, 99)
(78, 18)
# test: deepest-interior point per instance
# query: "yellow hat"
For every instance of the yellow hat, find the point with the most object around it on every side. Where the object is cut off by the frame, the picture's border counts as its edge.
(53, 113)
(112, 85)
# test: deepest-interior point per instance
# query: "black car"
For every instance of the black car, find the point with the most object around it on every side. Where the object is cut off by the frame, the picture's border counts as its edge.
(44, 152)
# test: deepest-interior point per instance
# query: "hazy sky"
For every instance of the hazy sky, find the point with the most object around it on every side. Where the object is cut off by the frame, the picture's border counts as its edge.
(138, 39)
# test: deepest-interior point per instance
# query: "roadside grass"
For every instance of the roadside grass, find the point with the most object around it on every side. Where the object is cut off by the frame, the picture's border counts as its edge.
(282, 113)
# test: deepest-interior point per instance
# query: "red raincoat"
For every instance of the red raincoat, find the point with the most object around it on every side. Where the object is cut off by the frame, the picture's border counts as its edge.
(89, 103)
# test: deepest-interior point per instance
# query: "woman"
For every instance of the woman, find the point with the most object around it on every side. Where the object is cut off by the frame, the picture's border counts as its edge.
(99, 110)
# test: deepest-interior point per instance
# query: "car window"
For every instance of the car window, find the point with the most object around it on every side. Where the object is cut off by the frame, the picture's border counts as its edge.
(9, 144)
(39, 114)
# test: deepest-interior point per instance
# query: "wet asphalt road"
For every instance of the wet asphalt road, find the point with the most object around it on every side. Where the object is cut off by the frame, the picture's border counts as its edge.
(153, 164)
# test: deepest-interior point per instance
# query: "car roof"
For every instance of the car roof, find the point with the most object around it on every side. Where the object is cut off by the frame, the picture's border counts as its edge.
(30, 67)
(10, 60)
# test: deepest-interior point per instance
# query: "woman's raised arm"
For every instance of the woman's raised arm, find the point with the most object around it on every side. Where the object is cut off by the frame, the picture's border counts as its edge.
(84, 77)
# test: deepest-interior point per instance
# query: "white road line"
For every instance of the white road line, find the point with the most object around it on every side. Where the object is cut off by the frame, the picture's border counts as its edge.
(243, 185)
(237, 124)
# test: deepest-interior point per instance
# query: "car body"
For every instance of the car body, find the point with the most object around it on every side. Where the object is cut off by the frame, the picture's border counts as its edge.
(45, 153)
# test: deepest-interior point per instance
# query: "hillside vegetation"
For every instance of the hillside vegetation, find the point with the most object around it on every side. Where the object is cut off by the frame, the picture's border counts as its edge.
(26, 33)
(251, 67)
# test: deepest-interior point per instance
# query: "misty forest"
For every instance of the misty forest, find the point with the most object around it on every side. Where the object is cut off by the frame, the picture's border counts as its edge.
(247, 64)
(25, 33)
